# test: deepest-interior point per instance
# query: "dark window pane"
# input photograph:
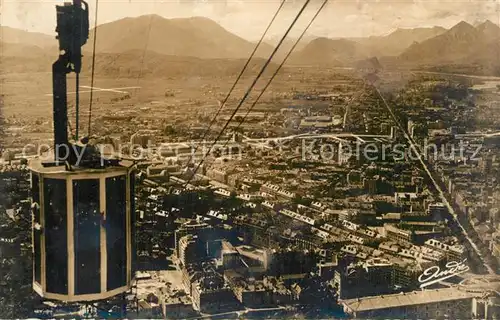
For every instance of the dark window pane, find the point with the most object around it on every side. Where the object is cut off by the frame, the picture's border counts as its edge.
(56, 236)
(35, 189)
(132, 221)
(116, 232)
(87, 224)
(35, 195)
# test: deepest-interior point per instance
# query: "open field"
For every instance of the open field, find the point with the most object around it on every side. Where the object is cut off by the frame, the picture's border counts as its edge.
(29, 95)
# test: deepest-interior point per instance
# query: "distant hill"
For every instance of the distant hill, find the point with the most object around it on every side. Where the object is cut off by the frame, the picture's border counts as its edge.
(396, 42)
(289, 42)
(489, 30)
(128, 64)
(332, 52)
(175, 48)
(17, 36)
(455, 45)
(341, 52)
(24, 44)
(190, 37)
(24, 50)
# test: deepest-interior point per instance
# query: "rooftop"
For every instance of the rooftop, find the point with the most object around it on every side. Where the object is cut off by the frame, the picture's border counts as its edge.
(43, 166)
(406, 299)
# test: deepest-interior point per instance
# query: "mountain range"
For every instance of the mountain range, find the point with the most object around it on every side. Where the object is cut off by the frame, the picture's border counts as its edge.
(191, 37)
(461, 43)
(192, 41)
(396, 42)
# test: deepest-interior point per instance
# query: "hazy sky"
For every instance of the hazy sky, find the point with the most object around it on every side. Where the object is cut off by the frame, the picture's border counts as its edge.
(248, 18)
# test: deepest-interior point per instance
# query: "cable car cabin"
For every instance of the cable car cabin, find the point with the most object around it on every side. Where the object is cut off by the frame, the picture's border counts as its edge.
(82, 203)
(83, 227)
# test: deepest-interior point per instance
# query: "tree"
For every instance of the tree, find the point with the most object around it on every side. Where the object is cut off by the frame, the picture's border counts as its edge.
(8, 156)
(169, 130)
(298, 199)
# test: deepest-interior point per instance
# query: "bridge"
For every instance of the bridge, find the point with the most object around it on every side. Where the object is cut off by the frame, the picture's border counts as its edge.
(477, 135)
(341, 137)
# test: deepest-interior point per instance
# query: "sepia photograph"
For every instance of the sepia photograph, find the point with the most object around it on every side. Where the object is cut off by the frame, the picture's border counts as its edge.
(250, 159)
